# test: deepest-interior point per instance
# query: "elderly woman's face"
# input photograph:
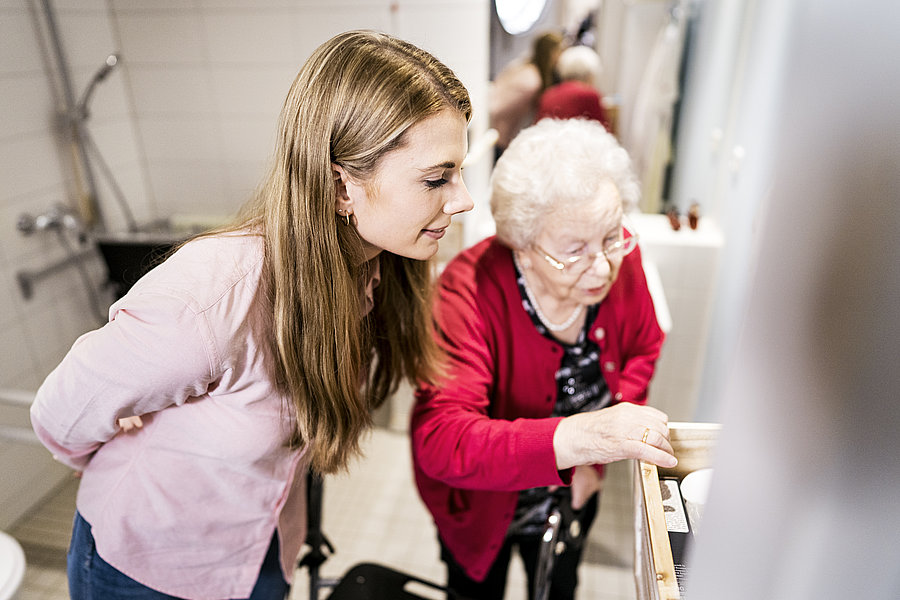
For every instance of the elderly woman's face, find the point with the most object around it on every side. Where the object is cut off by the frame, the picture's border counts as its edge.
(584, 233)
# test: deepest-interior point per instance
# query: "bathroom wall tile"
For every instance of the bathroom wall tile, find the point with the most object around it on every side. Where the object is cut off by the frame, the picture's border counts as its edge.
(133, 186)
(177, 137)
(213, 5)
(248, 139)
(43, 293)
(81, 6)
(109, 99)
(318, 23)
(78, 316)
(192, 187)
(21, 360)
(9, 295)
(27, 104)
(441, 37)
(20, 250)
(30, 164)
(49, 340)
(165, 6)
(259, 37)
(171, 89)
(162, 38)
(212, 205)
(42, 301)
(32, 474)
(86, 38)
(116, 145)
(252, 91)
(19, 47)
(241, 179)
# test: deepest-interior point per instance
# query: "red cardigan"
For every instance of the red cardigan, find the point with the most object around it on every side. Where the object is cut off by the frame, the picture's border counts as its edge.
(486, 432)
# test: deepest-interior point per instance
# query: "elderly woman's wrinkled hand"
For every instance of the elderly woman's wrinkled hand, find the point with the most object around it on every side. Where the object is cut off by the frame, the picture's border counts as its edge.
(619, 432)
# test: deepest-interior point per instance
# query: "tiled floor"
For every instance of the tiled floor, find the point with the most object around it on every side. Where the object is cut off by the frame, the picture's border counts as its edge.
(371, 514)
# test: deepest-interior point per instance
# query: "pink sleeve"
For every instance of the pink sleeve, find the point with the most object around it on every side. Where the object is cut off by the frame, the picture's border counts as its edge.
(156, 351)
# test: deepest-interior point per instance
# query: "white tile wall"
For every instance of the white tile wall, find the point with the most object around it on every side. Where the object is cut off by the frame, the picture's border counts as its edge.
(240, 37)
(208, 80)
(174, 37)
(19, 47)
(245, 91)
(318, 21)
(28, 475)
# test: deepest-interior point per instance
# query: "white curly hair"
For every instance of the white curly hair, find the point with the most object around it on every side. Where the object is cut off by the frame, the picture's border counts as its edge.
(556, 164)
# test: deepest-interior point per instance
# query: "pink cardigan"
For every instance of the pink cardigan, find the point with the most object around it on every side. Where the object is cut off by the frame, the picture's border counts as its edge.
(487, 432)
(188, 504)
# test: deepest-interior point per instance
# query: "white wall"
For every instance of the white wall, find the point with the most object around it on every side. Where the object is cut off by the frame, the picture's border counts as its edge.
(186, 123)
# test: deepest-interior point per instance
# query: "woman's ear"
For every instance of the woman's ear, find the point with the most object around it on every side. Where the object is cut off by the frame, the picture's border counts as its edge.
(343, 205)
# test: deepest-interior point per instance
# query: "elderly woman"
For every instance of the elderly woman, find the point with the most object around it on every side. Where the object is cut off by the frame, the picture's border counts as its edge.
(551, 339)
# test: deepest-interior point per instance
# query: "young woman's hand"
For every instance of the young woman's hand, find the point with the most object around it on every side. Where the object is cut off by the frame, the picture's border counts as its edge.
(585, 483)
(129, 423)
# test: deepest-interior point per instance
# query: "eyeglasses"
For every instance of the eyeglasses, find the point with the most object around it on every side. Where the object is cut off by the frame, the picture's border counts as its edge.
(579, 263)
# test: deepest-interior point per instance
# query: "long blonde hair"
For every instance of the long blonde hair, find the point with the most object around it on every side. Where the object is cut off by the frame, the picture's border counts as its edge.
(350, 104)
(545, 52)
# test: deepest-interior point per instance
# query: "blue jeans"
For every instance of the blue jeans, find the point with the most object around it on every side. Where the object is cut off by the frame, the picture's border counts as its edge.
(92, 578)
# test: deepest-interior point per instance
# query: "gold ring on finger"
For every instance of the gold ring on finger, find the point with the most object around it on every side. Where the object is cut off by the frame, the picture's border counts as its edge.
(644, 437)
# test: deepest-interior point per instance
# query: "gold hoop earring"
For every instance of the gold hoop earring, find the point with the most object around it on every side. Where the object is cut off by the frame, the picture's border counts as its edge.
(344, 215)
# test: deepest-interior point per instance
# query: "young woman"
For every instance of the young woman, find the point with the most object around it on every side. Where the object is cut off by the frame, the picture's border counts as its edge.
(240, 359)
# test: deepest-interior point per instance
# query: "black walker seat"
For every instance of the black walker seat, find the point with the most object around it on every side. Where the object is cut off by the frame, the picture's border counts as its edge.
(367, 581)
(364, 581)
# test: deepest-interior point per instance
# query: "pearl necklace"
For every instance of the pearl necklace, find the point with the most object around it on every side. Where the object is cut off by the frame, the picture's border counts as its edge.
(537, 307)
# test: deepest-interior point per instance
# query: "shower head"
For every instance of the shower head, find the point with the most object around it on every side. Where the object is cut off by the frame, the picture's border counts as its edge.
(108, 65)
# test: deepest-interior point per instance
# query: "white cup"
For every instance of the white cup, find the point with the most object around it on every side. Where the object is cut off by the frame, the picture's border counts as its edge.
(694, 490)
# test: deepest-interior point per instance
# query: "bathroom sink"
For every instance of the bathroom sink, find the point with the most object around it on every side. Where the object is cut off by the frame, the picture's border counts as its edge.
(129, 255)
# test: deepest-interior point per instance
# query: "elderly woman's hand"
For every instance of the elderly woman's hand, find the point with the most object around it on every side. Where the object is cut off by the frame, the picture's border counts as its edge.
(622, 431)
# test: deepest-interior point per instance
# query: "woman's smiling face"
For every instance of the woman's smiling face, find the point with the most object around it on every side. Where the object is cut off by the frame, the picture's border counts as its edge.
(407, 206)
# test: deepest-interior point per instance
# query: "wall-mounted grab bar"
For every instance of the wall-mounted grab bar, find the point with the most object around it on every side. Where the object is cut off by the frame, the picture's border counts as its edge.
(17, 398)
(61, 220)
(27, 278)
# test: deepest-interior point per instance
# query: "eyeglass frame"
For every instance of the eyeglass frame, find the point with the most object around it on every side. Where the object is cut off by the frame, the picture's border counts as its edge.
(562, 266)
